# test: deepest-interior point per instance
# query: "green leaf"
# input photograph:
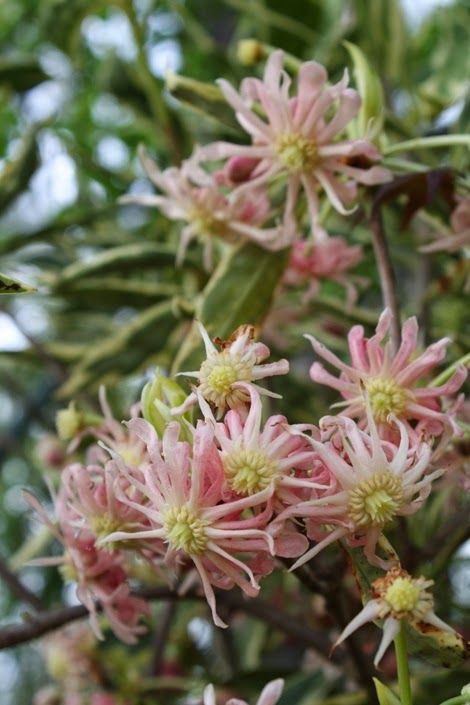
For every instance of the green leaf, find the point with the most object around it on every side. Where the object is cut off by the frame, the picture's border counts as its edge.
(370, 118)
(384, 694)
(122, 258)
(21, 74)
(447, 649)
(18, 170)
(125, 351)
(239, 292)
(205, 99)
(14, 286)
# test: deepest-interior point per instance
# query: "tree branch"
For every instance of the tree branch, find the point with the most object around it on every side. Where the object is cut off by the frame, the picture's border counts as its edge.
(17, 588)
(161, 634)
(45, 622)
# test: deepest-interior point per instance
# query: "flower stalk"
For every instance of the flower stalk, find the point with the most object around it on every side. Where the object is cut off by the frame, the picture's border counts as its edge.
(404, 683)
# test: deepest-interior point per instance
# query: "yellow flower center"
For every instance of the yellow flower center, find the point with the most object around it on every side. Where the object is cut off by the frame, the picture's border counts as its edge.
(376, 501)
(185, 530)
(217, 375)
(402, 595)
(105, 524)
(297, 153)
(222, 377)
(249, 471)
(130, 454)
(386, 397)
(205, 224)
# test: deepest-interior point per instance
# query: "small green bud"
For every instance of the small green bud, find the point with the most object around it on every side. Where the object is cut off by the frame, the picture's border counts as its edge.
(69, 422)
(250, 52)
(158, 398)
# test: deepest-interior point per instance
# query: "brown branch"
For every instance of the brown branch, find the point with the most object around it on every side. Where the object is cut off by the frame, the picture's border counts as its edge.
(386, 274)
(160, 638)
(329, 586)
(40, 624)
(45, 622)
(17, 588)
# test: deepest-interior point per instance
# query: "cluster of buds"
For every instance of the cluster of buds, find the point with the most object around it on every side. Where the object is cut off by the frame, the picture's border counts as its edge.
(216, 500)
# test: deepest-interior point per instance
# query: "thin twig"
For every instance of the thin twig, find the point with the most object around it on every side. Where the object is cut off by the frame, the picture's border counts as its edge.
(386, 274)
(330, 588)
(150, 84)
(161, 634)
(43, 623)
(17, 588)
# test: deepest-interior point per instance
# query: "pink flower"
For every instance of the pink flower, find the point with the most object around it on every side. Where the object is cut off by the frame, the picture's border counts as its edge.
(101, 578)
(269, 695)
(376, 482)
(238, 360)
(331, 259)
(88, 502)
(114, 436)
(254, 458)
(396, 597)
(183, 491)
(194, 197)
(296, 140)
(391, 383)
(69, 655)
(460, 221)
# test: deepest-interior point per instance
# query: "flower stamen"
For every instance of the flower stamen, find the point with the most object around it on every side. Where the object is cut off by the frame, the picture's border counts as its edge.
(386, 398)
(376, 500)
(219, 372)
(297, 153)
(185, 530)
(249, 471)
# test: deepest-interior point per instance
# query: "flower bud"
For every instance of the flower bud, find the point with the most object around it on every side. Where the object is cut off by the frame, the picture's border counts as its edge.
(250, 51)
(158, 398)
(51, 452)
(69, 422)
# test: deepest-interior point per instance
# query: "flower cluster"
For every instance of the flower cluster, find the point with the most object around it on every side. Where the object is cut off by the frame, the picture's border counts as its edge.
(215, 502)
(298, 152)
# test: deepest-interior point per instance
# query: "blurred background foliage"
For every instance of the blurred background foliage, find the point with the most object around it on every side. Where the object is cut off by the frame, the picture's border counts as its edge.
(82, 84)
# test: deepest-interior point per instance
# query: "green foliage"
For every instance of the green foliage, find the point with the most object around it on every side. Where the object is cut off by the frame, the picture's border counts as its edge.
(385, 695)
(13, 286)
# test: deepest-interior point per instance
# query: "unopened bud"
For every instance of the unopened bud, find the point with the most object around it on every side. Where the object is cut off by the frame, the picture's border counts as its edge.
(51, 452)
(158, 398)
(239, 169)
(250, 51)
(69, 422)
